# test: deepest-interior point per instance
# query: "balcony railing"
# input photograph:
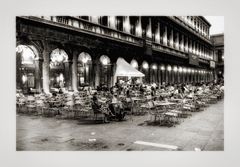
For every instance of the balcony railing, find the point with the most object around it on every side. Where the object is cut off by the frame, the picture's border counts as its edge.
(169, 50)
(85, 25)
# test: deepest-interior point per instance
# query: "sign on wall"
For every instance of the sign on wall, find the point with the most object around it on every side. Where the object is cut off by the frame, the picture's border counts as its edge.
(193, 59)
(212, 64)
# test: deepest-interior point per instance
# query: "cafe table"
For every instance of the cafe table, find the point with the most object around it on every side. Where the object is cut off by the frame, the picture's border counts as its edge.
(136, 105)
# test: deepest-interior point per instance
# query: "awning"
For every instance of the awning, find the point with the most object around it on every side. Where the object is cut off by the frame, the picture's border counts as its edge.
(125, 69)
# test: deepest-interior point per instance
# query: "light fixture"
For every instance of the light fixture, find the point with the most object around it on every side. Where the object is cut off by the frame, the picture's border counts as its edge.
(104, 60)
(154, 67)
(180, 69)
(184, 70)
(134, 64)
(188, 70)
(175, 69)
(19, 49)
(24, 78)
(162, 68)
(169, 68)
(145, 65)
(61, 78)
(85, 59)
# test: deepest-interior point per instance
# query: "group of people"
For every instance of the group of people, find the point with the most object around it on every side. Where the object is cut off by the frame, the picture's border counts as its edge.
(111, 109)
(115, 108)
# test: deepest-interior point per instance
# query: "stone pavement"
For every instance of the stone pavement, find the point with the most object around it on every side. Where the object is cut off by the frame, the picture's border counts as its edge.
(202, 131)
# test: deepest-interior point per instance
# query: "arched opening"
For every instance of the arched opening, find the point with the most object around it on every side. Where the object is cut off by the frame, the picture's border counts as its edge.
(59, 68)
(145, 71)
(84, 69)
(175, 74)
(153, 73)
(105, 71)
(169, 74)
(25, 67)
(163, 74)
(180, 74)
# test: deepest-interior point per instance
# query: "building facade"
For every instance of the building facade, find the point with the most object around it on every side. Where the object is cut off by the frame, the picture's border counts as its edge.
(81, 51)
(218, 47)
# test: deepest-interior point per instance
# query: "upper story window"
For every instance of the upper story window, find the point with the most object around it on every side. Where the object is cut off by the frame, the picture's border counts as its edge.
(119, 23)
(104, 20)
(84, 17)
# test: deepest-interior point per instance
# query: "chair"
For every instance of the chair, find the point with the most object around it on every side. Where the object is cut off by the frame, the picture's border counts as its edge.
(98, 112)
(153, 113)
(31, 106)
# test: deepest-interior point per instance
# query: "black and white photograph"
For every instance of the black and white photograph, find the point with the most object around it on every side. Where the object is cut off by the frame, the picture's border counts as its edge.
(119, 83)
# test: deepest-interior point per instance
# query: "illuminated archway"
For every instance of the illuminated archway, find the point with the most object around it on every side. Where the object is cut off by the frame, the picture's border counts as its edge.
(145, 70)
(25, 67)
(154, 73)
(84, 68)
(58, 68)
(105, 71)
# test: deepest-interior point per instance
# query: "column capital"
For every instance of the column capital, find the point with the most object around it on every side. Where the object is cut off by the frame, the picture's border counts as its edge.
(38, 59)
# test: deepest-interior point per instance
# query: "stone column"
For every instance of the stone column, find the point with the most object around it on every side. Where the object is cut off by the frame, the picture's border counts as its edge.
(190, 46)
(67, 74)
(157, 34)
(194, 51)
(45, 69)
(186, 46)
(114, 72)
(18, 70)
(126, 24)
(139, 27)
(149, 29)
(182, 43)
(112, 22)
(95, 19)
(171, 38)
(38, 74)
(97, 73)
(197, 49)
(74, 73)
(165, 36)
(177, 41)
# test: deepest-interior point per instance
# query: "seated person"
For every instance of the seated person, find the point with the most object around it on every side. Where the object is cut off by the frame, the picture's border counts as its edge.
(116, 108)
(97, 108)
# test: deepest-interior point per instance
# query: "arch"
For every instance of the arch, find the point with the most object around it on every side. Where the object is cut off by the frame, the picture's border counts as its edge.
(154, 73)
(57, 57)
(84, 69)
(145, 71)
(59, 69)
(105, 60)
(35, 45)
(175, 74)
(26, 67)
(84, 57)
(28, 53)
(162, 70)
(105, 71)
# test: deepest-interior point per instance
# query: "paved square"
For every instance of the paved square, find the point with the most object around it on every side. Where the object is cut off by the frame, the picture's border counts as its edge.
(202, 131)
